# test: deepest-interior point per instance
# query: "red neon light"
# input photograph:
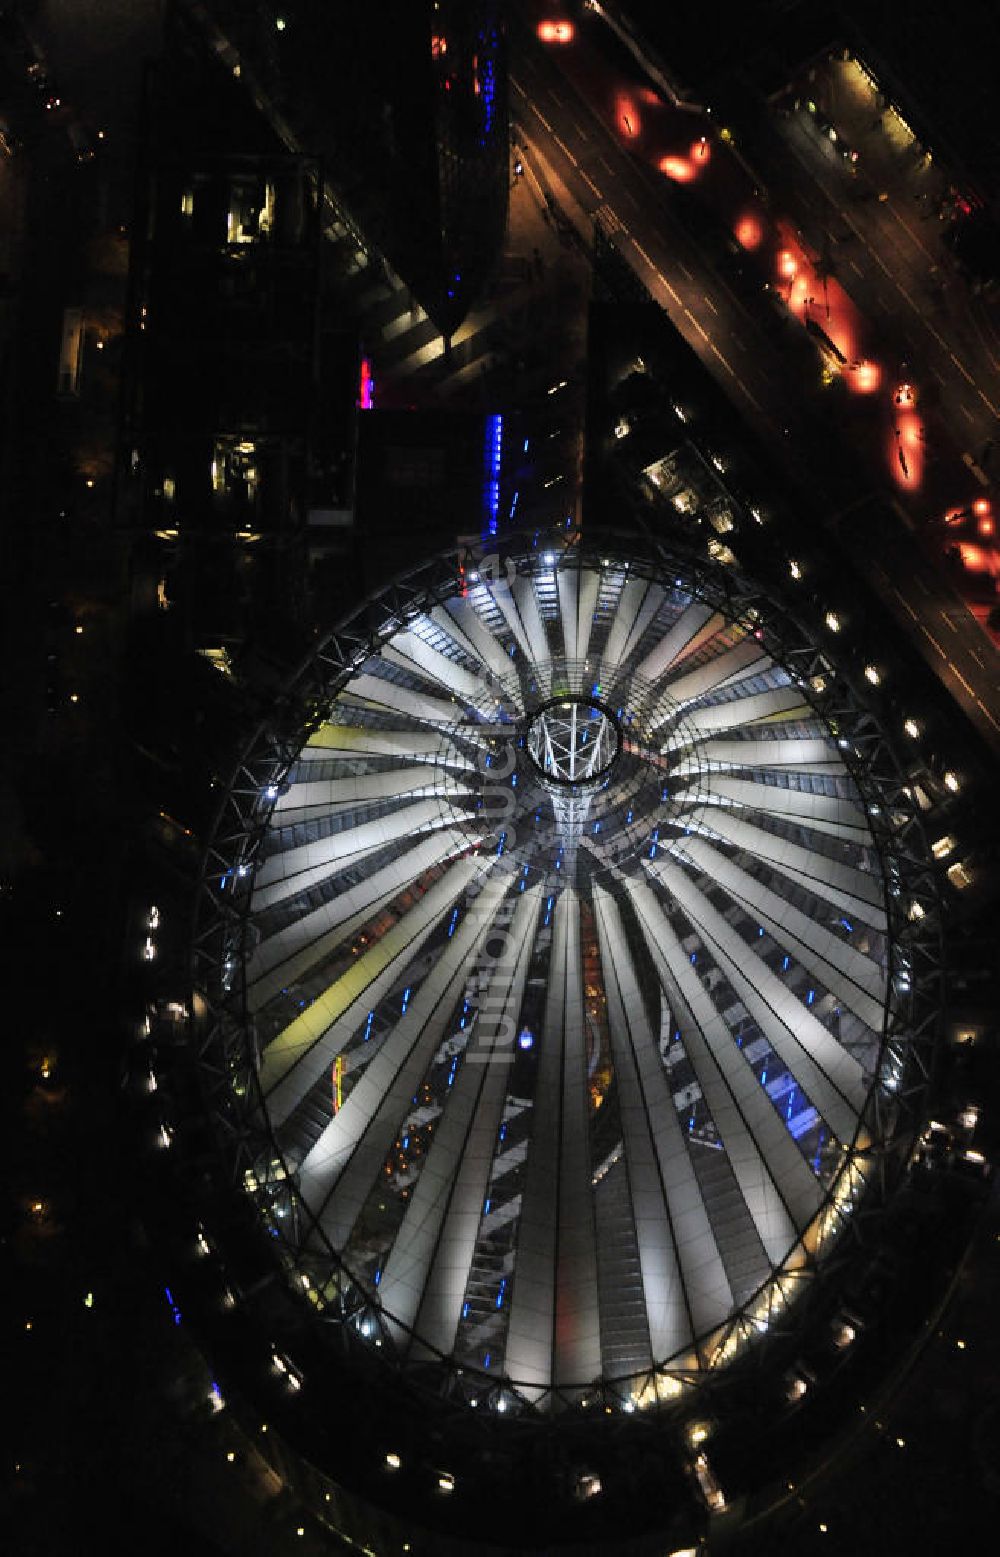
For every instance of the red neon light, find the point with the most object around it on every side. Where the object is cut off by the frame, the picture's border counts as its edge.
(366, 393)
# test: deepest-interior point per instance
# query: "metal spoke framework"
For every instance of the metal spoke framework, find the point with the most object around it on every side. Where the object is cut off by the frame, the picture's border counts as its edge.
(573, 1084)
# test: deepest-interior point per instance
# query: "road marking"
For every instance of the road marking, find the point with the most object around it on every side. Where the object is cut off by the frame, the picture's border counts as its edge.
(978, 658)
(588, 180)
(728, 367)
(711, 305)
(986, 712)
(555, 98)
(962, 368)
(907, 228)
(947, 619)
(681, 266)
(856, 268)
(518, 88)
(565, 148)
(966, 412)
(987, 402)
(541, 116)
(699, 327)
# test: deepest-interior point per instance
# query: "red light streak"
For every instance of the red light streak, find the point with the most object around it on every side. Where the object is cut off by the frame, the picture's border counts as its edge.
(556, 32)
(701, 151)
(749, 231)
(906, 459)
(677, 168)
(865, 377)
(627, 117)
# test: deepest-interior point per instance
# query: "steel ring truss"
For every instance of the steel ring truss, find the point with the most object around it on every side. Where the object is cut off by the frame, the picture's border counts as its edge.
(621, 1154)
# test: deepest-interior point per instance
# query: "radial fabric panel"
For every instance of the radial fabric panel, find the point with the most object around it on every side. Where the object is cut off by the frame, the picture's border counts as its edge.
(567, 980)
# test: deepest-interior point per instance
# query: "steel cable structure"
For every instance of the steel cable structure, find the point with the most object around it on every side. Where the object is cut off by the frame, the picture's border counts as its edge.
(565, 957)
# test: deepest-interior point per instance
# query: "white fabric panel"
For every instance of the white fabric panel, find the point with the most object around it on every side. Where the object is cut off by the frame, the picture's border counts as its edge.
(328, 795)
(696, 622)
(666, 1302)
(578, 1320)
(590, 585)
(831, 1078)
(508, 608)
(284, 875)
(299, 1054)
(461, 622)
(638, 603)
(527, 604)
(528, 1355)
(820, 813)
(351, 740)
(785, 701)
(746, 659)
(414, 653)
(854, 978)
(425, 1277)
(568, 590)
(857, 891)
(555, 1274)
(343, 1164)
(375, 691)
(781, 1192)
(804, 756)
(577, 590)
(709, 1296)
(298, 946)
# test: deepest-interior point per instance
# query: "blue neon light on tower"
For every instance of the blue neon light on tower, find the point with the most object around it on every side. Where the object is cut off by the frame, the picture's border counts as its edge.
(494, 452)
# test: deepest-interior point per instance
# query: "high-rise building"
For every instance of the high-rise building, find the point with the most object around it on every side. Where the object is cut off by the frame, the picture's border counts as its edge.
(419, 94)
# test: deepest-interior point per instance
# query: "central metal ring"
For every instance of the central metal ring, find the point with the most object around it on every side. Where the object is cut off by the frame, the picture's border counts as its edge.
(573, 741)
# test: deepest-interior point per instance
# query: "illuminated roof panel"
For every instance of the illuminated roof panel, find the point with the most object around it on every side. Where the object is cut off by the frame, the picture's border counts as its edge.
(572, 1071)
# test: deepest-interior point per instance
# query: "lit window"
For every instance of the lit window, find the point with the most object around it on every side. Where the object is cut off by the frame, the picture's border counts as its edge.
(872, 675)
